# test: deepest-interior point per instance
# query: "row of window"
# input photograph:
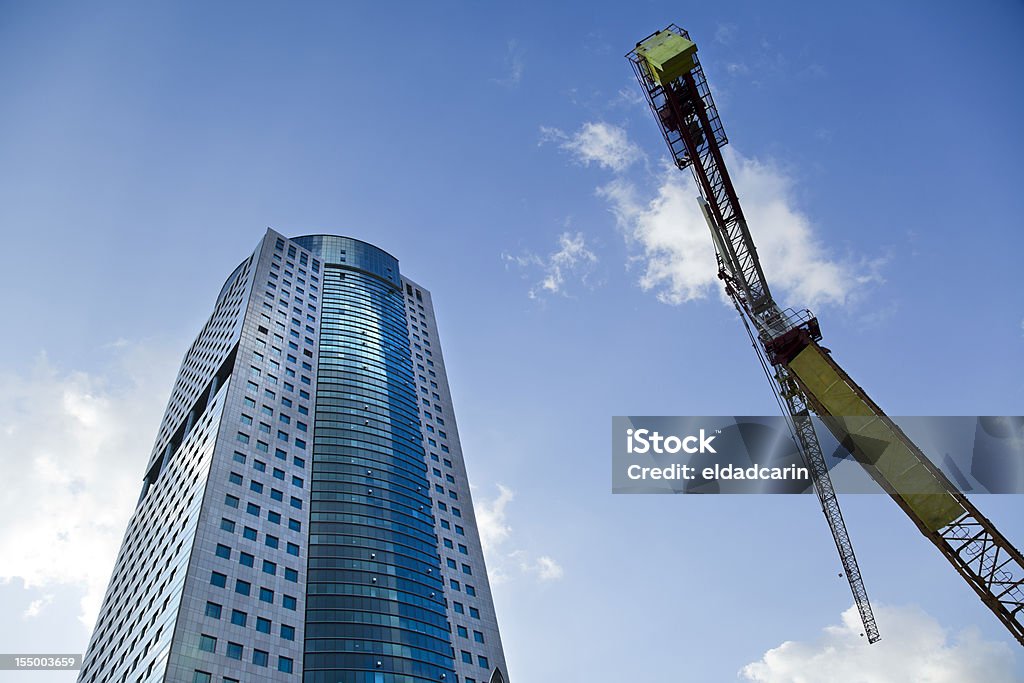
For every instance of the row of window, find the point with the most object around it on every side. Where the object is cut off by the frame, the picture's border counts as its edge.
(244, 588)
(241, 619)
(237, 651)
(303, 257)
(270, 540)
(248, 560)
(467, 658)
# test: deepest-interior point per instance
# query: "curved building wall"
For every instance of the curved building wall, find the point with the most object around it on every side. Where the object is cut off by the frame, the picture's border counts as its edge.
(305, 514)
(375, 608)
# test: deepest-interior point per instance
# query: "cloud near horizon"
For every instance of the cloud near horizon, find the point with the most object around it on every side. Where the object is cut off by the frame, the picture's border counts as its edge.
(80, 440)
(914, 649)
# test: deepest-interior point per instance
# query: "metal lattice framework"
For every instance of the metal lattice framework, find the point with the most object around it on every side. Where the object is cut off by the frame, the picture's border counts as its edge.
(796, 403)
(687, 112)
(986, 559)
(693, 131)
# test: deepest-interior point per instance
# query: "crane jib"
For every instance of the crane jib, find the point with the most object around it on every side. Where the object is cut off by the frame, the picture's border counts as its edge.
(804, 376)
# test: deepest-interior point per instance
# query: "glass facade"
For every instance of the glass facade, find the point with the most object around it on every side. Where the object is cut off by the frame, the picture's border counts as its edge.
(305, 513)
(375, 608)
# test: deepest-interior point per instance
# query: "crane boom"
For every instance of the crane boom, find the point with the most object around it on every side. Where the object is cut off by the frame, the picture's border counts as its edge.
(804, 376)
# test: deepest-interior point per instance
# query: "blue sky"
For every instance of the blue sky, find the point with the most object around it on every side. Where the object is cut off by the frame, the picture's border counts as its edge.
(499, 151)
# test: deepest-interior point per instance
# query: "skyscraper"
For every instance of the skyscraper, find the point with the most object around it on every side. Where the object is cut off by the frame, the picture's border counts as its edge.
(305, 513)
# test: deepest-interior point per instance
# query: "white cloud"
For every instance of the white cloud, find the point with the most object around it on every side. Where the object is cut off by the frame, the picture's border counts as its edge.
(496, 535)
(36, 607)
(572, 260)
(74, 445)
(630, 97)
(673, 241)
(602, 143)
(914, 649)
(548, 569)
(671, 238)
(491, 519)
(675, 249)
(725, 33)
(514, 65)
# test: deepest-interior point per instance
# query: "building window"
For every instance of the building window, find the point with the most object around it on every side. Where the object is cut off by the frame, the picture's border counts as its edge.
(218, 579)
(201, 677)
(467, 657)
(238, 618)
(235, 651)
(263, 625)
(242, 587)
(207, 643)
(213, 610)
(287, 632)
(260, 657)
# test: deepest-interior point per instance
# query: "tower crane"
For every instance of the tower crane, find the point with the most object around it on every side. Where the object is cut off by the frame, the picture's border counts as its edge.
(805, 378)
